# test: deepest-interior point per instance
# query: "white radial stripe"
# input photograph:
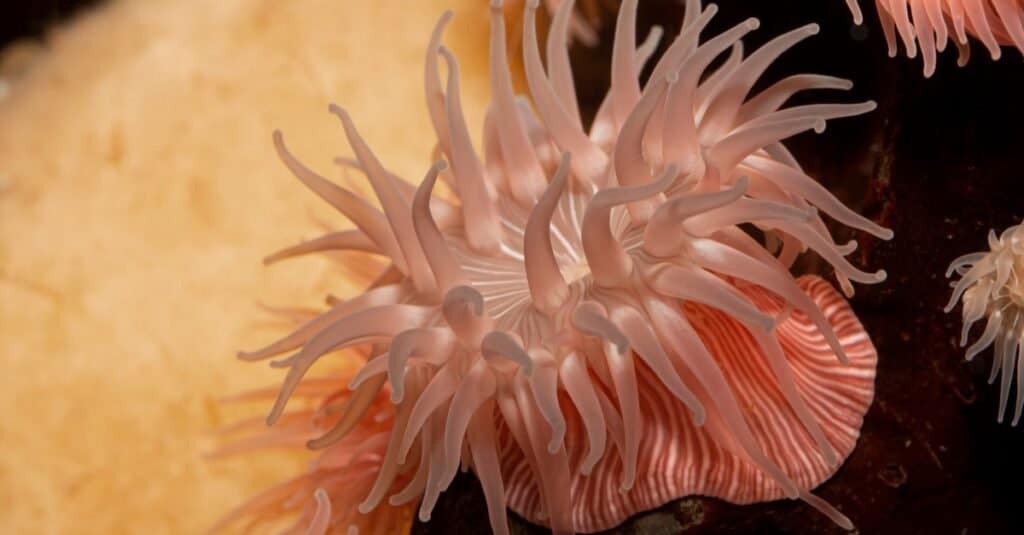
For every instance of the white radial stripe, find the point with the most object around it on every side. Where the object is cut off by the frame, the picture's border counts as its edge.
(679, 459)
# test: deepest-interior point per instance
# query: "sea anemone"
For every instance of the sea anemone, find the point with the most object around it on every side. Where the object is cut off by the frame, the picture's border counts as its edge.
(932, 24)
(991, 286)
(589, 321)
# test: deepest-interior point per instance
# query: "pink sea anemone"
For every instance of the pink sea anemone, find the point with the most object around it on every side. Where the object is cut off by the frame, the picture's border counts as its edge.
(590, 322)
(991, 287)
(932, 24)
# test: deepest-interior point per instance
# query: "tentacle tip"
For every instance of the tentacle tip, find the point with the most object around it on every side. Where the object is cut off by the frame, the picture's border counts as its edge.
(711, 9)
(881, 275)
(870, 105)
(397, 396)
(887, 234)
(320, 443)
(281, 363)
(365, 508)
(497, 4)
(337, 110)
(844, 522)
(699, 417)
(996, 54)
(245, 355)
(812, 29)
(819, 126)
(752, 23)
(531, 4)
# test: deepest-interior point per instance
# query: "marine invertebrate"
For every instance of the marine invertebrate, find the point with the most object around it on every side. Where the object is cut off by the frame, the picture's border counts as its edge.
(592, 288)
(990, 287)
(933, 24)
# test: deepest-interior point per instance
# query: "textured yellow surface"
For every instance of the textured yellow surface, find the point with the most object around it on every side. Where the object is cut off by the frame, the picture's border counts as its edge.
(138, 193)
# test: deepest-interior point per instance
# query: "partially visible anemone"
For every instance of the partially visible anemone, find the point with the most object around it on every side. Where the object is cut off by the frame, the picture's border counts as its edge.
(595, 321)
(991, 288)
(933, 24)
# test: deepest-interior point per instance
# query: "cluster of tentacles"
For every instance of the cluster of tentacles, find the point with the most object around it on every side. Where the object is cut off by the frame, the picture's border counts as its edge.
(595, 322)
(928, 24)
(932, 24)
(991, 287)
(349, 467)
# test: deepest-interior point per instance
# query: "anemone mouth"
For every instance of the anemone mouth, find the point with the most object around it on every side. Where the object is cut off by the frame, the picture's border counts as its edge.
(587, 288)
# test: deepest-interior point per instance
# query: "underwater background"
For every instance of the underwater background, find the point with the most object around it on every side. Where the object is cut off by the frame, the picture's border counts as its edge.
(939, 162)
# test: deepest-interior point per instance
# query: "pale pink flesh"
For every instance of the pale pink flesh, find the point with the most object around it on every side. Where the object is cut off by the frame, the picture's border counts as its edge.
(680, 459)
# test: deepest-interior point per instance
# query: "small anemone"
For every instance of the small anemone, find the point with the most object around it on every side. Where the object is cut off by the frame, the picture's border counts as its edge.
(991, 287)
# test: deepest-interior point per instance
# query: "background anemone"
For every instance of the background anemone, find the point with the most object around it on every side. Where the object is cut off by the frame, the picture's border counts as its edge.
(990, 288)
(933, 24)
